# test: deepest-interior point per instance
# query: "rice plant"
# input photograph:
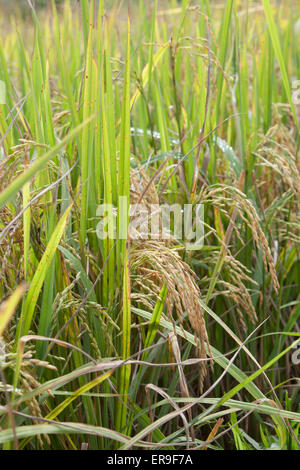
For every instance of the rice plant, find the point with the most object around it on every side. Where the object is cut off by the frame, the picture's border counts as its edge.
(119, 123)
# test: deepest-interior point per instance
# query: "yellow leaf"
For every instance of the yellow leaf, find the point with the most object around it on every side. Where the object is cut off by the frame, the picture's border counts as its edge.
(8, 307)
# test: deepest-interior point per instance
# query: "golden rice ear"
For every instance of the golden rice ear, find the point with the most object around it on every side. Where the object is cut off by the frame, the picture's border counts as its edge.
(158, 264)
(142, 188)
(280, 178)
(223, 195)
(278, 154)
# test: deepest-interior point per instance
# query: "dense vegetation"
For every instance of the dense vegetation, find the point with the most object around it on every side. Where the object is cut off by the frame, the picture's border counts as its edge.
(142, 343)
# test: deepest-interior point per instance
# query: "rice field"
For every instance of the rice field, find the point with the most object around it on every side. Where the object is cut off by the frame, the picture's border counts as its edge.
(117, 117)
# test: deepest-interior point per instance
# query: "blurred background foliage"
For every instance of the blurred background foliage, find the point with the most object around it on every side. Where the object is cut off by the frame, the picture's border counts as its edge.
(23, 4)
